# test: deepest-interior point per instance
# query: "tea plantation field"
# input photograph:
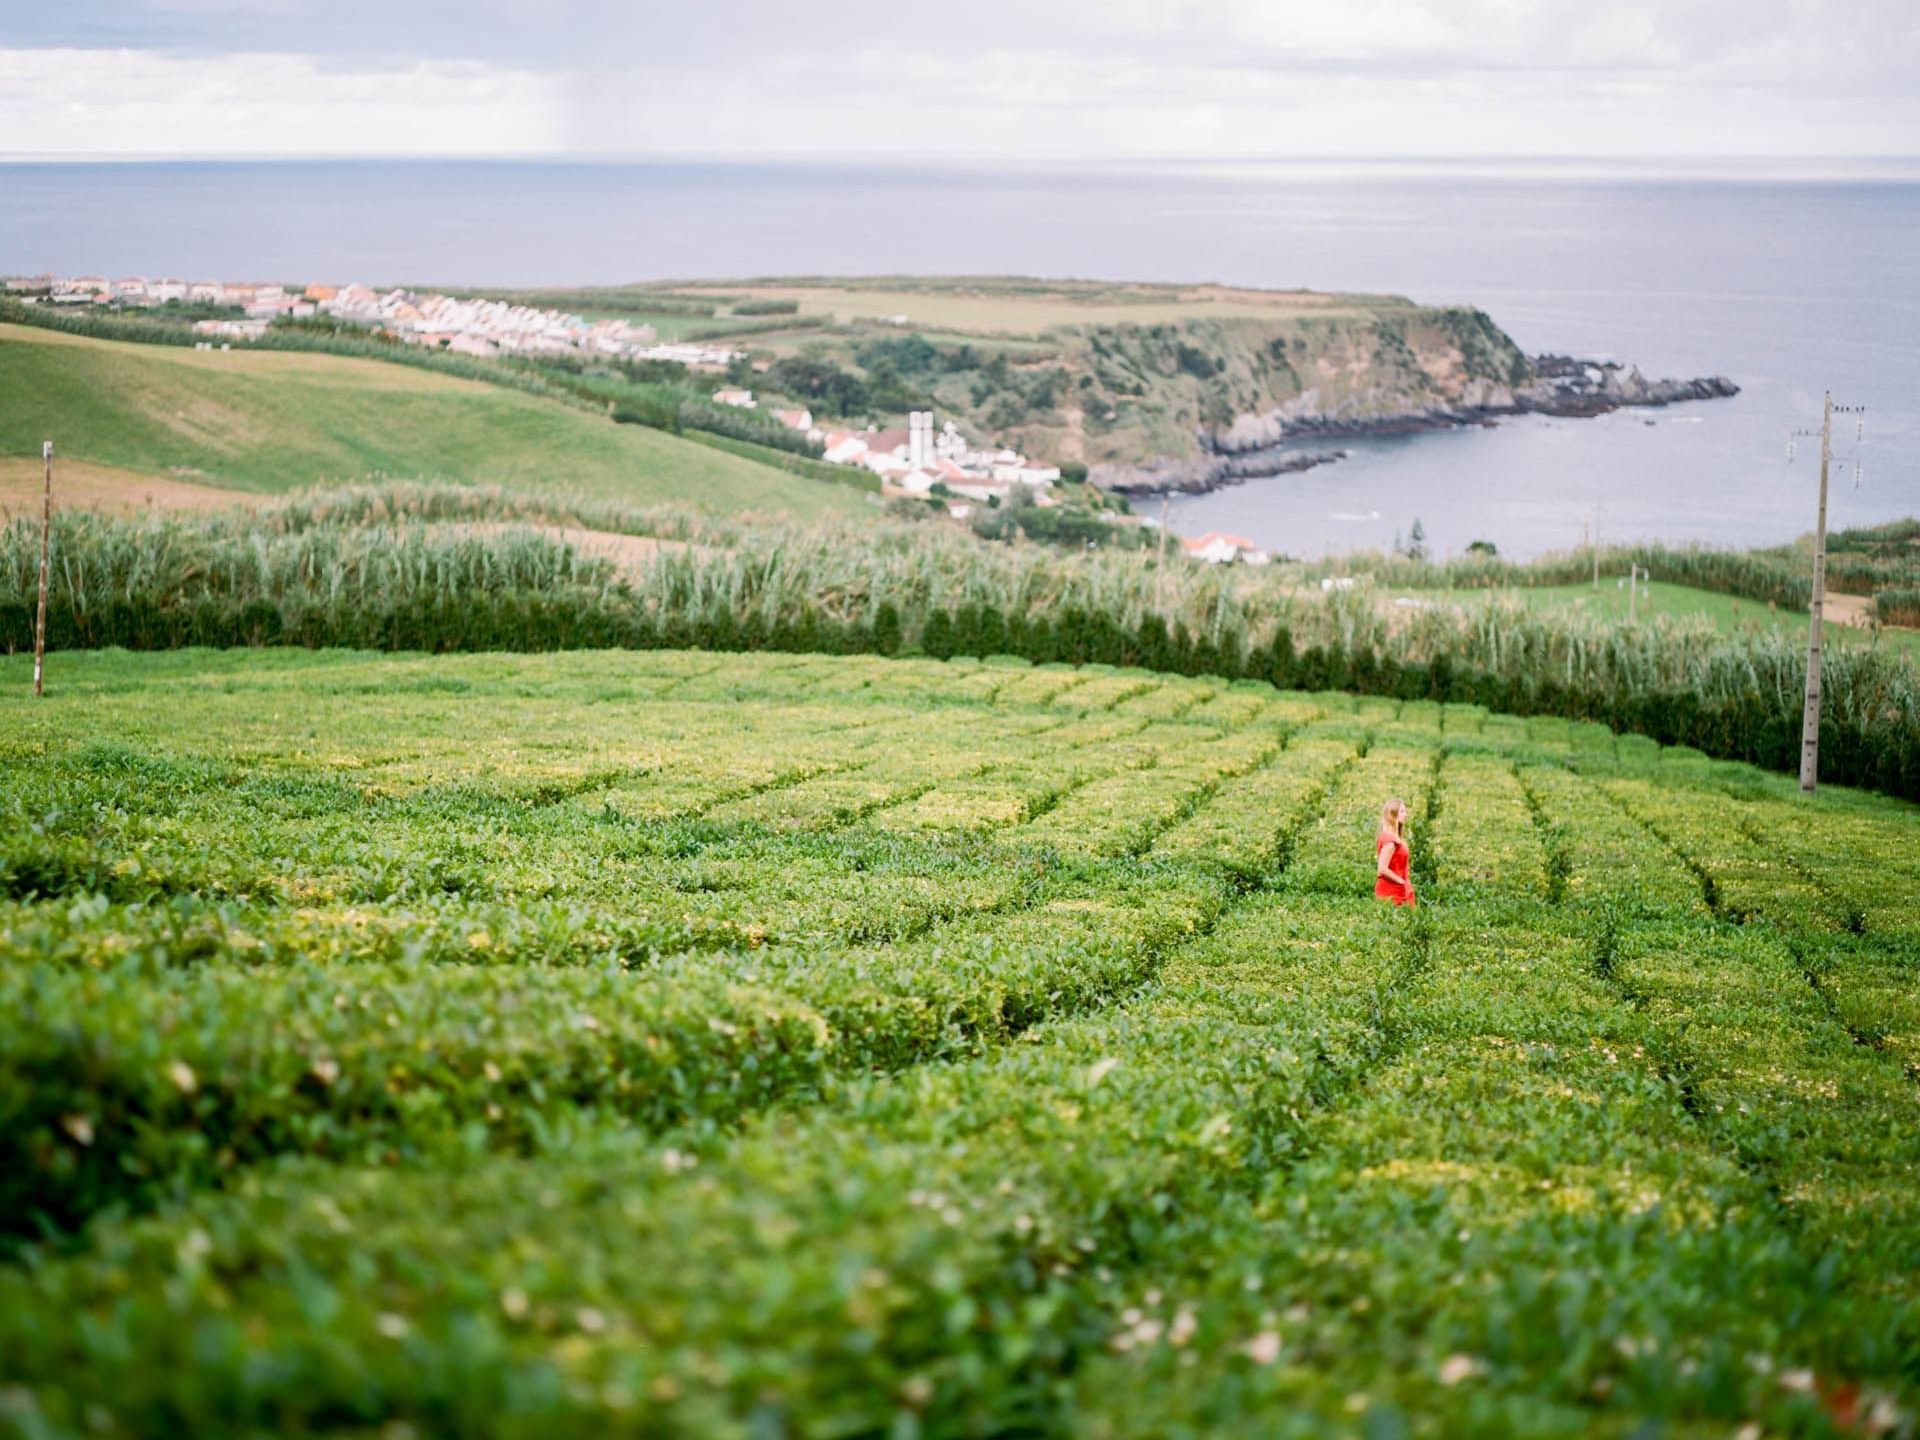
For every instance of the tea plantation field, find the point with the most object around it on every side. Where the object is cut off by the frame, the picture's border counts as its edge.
(684, 1044)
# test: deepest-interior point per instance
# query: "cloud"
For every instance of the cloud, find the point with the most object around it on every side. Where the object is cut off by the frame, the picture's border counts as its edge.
(136, 102)
(1004, 77)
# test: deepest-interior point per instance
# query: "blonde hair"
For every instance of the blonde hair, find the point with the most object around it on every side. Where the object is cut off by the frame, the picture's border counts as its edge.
(1387, 812)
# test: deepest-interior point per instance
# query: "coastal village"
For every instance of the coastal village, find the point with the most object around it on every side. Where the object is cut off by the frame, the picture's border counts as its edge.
(916, 460)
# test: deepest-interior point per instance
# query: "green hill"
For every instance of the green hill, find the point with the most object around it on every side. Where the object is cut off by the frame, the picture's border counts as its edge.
(274, 421)
(1112, 374)
(694, 1044)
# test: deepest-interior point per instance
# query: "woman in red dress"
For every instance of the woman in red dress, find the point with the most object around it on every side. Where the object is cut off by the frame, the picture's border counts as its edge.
(1393, 879)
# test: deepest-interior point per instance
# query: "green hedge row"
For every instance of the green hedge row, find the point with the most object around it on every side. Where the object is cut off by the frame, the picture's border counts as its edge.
(116, 1093)
(1752, 727)
(1247, 1196)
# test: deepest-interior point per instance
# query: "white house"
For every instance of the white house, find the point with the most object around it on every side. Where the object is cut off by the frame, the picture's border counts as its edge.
(1218, 549)
(885, 464)
(740, 399)
(234, 329)
(843, 448)
(918, 482)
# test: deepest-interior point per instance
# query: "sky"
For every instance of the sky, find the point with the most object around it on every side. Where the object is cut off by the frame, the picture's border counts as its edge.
(1036, 79)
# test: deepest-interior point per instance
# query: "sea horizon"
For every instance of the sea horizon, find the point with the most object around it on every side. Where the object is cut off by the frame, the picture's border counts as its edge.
(1790, 287)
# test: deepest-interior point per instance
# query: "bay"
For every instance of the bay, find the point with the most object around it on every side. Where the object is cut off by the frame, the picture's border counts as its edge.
(1790, 286)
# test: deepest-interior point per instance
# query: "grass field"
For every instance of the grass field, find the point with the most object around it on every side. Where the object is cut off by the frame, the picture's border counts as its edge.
(990, 305)
(275, 421)
(680, 1043)
(1729, 614)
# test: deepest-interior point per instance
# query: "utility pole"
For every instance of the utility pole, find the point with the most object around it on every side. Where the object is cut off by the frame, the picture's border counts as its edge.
(1810, 716)
(1633, 590)
(1596, 548)
(1160, 564)
(46, 536)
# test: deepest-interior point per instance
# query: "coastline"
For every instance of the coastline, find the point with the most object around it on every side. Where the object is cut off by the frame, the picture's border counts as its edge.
(1562, 386)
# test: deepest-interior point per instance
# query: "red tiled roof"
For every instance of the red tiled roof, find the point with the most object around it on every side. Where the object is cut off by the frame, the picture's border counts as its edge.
(1201, 542)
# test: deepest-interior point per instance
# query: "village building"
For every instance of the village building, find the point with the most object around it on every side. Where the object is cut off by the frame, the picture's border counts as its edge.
(231, 329)
(1216, 548)
(741, 398)
(843, 447)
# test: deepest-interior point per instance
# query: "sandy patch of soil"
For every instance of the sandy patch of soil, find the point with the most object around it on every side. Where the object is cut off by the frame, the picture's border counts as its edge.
(78, 485)
(1848, 610)
(629, 552)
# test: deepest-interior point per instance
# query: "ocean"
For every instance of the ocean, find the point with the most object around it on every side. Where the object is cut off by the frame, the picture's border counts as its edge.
(1791, 287)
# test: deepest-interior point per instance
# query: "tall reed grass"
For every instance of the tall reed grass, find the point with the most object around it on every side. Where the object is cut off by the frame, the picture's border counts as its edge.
(432, 567)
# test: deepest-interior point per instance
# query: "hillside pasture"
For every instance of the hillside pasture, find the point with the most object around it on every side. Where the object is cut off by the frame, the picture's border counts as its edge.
(988, 306)
(1847, 616)
(269, 422)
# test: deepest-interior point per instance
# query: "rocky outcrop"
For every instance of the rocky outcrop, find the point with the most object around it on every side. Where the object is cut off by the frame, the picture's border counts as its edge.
(1565, 386)
(1559, 385)
(1266, 443)
(1210, 471)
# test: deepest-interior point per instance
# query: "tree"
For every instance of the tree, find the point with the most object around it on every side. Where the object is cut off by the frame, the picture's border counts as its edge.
(1417, 541)
(821, 383)
(886, 391)
(1484, 548)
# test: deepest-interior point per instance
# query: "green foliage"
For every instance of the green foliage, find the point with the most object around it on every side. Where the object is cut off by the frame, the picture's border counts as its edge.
(1862, 562)
(748, 425)
(1898, 607)
(915, 355)
(824, 386)
(1194, 361)
(683, 1043)
(158, 583)
(1064, 525)
(1486, 349)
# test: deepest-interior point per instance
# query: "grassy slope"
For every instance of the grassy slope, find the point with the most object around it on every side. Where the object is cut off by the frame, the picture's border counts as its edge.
(994, 306)
(275, 422)
(1142, 365)
(1728, 613)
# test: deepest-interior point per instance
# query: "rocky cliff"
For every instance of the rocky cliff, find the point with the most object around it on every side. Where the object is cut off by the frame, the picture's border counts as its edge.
(1196, 404)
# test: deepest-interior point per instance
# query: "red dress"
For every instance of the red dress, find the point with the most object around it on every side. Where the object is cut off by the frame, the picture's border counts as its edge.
(1400, 891)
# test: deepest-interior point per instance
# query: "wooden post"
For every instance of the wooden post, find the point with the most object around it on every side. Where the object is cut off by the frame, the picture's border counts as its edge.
(1596, 549)
(1810, 717)
(1633, 591)
(46, 535)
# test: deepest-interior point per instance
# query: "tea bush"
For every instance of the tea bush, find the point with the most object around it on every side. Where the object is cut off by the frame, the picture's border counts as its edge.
(670, 1042)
